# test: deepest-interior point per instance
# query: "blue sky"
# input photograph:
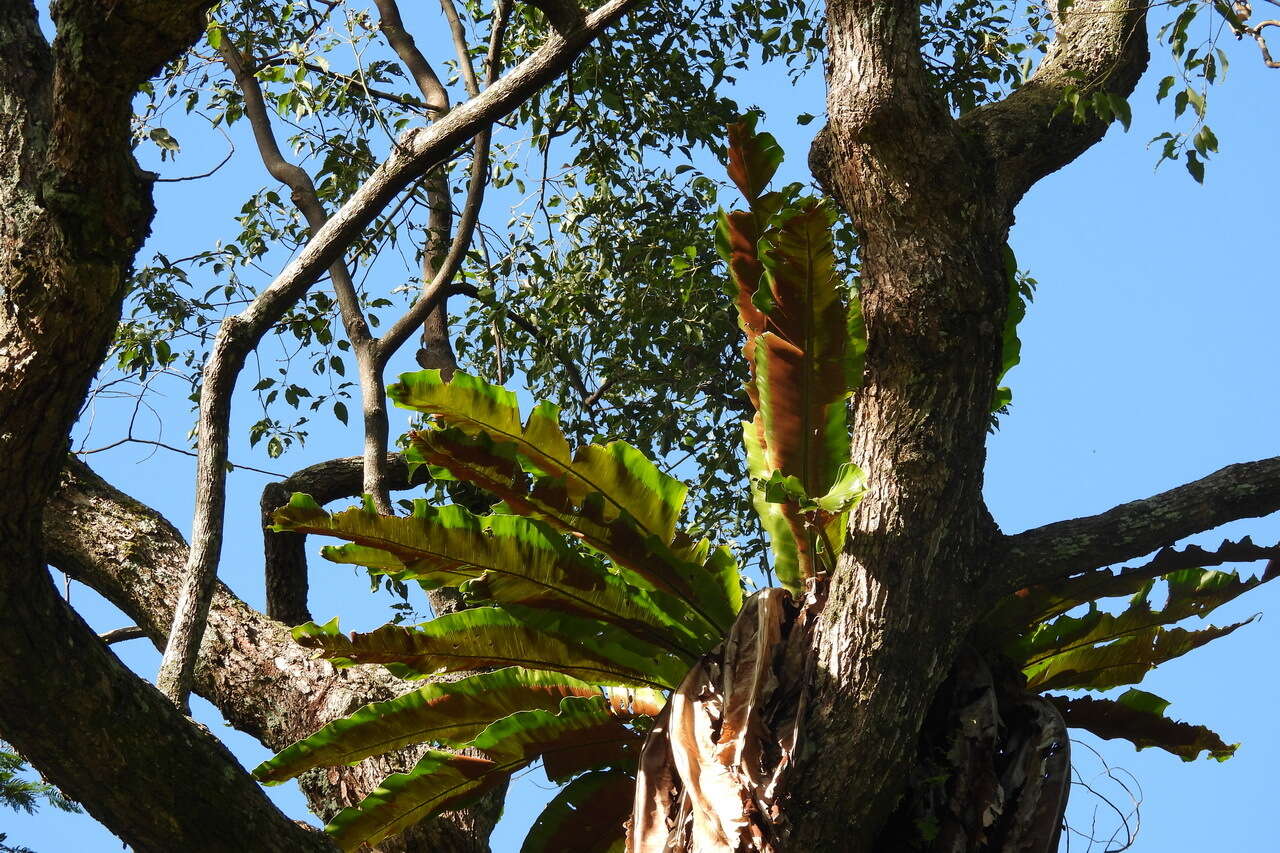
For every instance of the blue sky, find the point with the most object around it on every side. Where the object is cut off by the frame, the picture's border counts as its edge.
(1148, 360)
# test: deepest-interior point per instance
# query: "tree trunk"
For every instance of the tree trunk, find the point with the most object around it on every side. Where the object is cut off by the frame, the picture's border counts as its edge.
(74, 208)
(931, 198)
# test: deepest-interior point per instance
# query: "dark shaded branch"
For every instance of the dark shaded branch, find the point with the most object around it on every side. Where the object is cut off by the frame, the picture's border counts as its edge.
(1101, 46)
(249, 667)
(285, 557)
(1059, 550)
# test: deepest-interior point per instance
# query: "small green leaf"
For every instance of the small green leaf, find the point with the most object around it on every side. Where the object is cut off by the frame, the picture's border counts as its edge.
(1195, 167)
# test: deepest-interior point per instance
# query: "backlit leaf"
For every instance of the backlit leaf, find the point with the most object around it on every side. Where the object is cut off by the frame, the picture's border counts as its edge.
(449, 713)
(1138, 717)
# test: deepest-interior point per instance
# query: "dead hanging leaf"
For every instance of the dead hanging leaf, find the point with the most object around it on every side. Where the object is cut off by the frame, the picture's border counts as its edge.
(710, 769)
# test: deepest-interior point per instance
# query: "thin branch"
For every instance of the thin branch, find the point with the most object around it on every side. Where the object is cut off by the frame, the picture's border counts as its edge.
(417, 151)
(1065, 548)
(442, 284)
(591, 401)
(440, 262)
(120, 635)
(401, 41)
(1256, 32)
(461, 47)
(231, 150)
(128, 439)
(411, 102)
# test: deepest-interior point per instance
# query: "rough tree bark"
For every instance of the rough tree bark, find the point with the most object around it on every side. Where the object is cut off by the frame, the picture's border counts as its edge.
(74, 208)
(881, 660)
(249, 667)
(931, 198)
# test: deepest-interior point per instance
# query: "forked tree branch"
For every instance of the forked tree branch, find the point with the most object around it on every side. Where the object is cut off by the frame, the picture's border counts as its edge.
(1065, 548)
(417, 151)
(1099, 46)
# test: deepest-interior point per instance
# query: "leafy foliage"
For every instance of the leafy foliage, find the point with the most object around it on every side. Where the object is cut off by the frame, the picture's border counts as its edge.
(592, 603)
(629, 603)
(804, 345)
(1097, 649)
(587, 815)
(24, 794)
(1138, 717)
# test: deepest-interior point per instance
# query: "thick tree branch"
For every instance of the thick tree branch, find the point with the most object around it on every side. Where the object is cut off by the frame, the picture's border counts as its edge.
(417, 152)
(1101, 46)
(1059, 550)
(74, 208)
(263, 683)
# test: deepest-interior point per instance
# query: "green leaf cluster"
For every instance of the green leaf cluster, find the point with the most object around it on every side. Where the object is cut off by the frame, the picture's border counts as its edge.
(587, 602)
(1063, 637)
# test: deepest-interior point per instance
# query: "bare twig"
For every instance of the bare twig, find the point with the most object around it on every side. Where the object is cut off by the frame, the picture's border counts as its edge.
(129, 439)
(231, 150)
(1256, 32)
